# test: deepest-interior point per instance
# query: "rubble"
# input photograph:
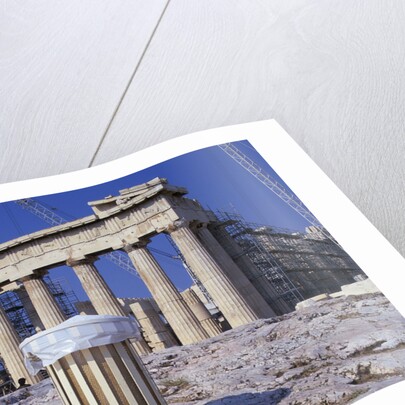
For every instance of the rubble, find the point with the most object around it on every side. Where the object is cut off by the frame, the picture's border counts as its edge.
(333, 352)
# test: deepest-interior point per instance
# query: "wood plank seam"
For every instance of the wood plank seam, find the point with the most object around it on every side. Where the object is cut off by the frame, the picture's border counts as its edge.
(138, 64)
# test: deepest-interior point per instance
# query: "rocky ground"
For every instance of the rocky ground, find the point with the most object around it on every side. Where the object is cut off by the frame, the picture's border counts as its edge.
(333, 352)
(39, 394)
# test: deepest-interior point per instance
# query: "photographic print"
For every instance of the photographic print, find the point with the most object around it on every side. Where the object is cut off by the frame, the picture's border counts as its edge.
(201, 279)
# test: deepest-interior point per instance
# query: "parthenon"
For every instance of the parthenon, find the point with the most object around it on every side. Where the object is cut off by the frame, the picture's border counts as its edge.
(128, 222)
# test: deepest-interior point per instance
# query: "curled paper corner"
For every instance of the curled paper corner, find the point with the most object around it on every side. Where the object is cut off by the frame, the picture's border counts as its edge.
(77, 333)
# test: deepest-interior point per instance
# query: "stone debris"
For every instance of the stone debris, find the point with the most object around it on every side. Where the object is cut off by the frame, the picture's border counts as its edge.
(41, 393)
(333, 352)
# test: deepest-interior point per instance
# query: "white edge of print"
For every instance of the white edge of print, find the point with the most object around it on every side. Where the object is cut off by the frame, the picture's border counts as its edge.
(362, 241)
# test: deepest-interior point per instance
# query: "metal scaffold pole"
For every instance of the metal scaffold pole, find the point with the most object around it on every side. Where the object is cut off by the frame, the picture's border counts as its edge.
(260, 174)
(243, 235)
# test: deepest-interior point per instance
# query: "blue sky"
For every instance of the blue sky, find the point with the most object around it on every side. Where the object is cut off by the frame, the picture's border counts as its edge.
(210, 176)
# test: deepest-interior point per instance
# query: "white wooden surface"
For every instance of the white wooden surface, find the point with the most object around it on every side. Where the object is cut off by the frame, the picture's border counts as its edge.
(83, 83)
(64, 66)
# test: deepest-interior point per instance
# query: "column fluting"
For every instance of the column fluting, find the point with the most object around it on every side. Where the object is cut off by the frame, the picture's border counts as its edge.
(180, 317)
(227, 298)
(11, 353)
(101, 296)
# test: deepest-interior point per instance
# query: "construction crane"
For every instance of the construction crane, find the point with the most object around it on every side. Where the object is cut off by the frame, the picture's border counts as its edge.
(239, 157)
(49, 216)
(195, 279)
(255, 170)
(117, 257)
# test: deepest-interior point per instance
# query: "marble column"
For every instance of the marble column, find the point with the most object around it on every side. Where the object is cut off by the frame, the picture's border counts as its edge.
(44, 303)
(262, 284)
(29, 308)
(227, 298)
(180, 317)
(10, 352)
(234, 273)
(85, 308)
(201, 312)
(156, 332)
(105, 375)
(51, 315)
(101, 296)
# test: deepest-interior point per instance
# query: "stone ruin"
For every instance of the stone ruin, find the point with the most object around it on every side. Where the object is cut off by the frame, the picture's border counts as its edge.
(114, 373)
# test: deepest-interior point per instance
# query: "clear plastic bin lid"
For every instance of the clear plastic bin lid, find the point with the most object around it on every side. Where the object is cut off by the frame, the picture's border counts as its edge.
(77, 333)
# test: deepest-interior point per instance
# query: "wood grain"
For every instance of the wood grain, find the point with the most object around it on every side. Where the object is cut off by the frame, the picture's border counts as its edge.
(63, 68)
(330, 72)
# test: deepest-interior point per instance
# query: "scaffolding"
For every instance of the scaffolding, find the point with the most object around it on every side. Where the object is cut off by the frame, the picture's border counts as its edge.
(14, 305)
(14, 308)
(243, 234)
(299, 265)
(65, 296)
(190, 272)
